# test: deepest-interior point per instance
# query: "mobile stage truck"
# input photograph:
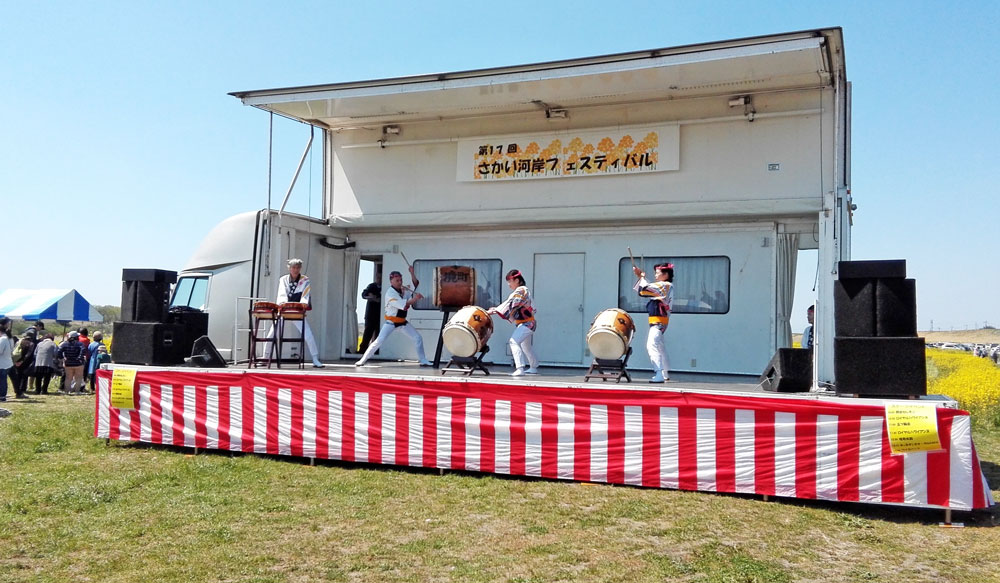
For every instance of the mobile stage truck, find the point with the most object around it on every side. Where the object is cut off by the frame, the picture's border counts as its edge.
(723, 158)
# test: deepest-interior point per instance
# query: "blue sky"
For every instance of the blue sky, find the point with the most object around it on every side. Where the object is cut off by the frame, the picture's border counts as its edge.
(121, 146)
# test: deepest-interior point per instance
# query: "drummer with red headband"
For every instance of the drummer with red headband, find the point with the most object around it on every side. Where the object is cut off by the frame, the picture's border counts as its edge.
(295, 287)
(661, 299)
(398, 300)
(518, 310)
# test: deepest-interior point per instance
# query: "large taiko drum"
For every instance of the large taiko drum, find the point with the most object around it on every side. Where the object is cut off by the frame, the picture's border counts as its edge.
(454, 286)
(610, 334)
(468, 331)
(293, 310)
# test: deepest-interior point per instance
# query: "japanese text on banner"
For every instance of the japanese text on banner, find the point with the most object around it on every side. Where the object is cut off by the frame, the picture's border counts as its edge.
(122, 388)
(595, 153)
(912, 428)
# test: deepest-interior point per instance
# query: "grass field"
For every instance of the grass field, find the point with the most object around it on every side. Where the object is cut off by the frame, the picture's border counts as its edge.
(75, 509)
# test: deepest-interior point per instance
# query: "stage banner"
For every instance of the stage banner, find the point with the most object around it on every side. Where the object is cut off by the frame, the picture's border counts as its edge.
(836, 449)
(614, 151)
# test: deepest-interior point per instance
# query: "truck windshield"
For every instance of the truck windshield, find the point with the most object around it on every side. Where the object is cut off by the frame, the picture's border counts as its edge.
(190, 292)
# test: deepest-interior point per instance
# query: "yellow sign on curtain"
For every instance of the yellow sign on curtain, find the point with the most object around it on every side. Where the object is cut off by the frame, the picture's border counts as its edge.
(122, 388)
(912, 428)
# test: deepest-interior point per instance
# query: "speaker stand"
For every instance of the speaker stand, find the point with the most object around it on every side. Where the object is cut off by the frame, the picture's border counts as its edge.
(468, 364)
(604, 369)
(446, 312)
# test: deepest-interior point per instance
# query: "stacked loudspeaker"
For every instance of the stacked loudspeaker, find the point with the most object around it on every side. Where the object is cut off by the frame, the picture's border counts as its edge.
(876, 350)
(148, 332)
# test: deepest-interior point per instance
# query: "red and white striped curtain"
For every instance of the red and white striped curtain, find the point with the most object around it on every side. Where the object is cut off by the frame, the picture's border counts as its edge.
(720, 442)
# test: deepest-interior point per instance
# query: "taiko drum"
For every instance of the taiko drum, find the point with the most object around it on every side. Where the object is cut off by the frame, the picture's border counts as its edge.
(265, 310)
(293, 310)
(454, 286)
(468, 331)
(610, 334)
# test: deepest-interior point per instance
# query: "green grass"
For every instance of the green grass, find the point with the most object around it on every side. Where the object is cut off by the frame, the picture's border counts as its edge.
(73, 508)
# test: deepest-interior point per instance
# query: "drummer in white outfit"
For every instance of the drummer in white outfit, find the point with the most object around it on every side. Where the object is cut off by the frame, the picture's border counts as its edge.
(518, 310)
(295, 287)
(660, 294)
(398, 300)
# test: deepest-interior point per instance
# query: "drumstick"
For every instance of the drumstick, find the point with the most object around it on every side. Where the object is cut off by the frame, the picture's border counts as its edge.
(408, 264)
(631, 257)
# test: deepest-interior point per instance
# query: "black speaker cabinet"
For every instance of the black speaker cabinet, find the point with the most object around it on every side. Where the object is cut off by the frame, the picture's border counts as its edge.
(896, 307)
(151, 275)
(145, 294)
(204, 354)
(895, 268)
(854, 307)
(194, 321)
(790, 371)
(880, 367)
(155, 343)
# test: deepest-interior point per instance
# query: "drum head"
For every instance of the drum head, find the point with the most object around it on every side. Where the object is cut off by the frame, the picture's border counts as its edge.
(606, 344)
(460, 341)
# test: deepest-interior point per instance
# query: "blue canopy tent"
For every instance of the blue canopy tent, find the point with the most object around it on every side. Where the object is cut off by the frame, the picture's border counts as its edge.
(61, 305)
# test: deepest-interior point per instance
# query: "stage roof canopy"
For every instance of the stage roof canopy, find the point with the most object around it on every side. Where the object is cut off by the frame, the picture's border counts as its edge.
(781, 62)
(62, 305)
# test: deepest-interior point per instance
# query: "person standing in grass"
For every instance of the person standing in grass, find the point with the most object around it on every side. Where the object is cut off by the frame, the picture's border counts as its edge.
(24, 359)
(85, 342)
(73, 353)
(6, 363)
(100, 357)
(45, 361)
(92, 365)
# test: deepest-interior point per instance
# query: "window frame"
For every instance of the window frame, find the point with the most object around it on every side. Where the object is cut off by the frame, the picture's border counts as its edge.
(647, 266)
(196, 277)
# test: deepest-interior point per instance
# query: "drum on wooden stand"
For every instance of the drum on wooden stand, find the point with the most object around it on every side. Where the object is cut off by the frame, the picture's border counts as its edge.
(468, 331)
(293, 310)
(610, 334)
(454, 286)
(265, 310)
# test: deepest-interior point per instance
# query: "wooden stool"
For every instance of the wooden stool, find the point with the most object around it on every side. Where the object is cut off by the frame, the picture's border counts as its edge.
(262, 312)
(295, 312)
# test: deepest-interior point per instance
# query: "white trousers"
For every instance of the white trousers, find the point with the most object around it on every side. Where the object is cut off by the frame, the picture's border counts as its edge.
(520, 347)
(657, 351)
(387, 329)
(308, 336)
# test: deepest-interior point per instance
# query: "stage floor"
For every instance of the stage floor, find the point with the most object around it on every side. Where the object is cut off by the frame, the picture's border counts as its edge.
(500, 373)
(568, 377)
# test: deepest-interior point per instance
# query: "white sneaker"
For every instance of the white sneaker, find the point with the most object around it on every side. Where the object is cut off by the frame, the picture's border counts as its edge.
(518, 373)
(317, 364)
(657, 378)
(531, 371)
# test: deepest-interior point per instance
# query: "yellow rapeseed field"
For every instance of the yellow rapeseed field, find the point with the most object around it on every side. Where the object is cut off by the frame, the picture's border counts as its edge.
(974, 382)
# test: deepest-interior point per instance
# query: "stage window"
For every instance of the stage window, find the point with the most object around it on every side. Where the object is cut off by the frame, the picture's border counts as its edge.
(190, 292)
(701, 284)
(490, 288)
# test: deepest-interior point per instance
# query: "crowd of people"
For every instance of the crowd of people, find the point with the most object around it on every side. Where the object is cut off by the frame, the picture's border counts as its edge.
(34, 360)
(990, 351)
